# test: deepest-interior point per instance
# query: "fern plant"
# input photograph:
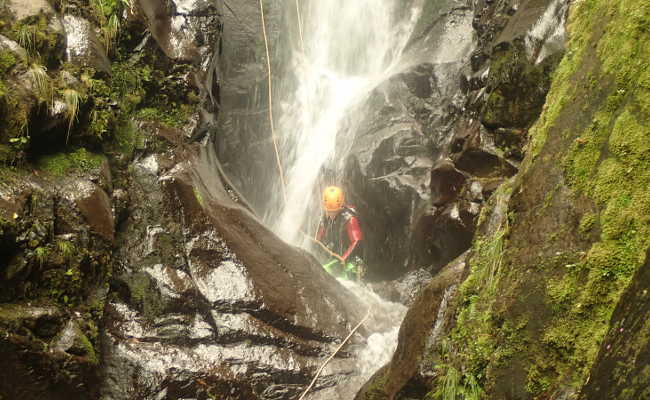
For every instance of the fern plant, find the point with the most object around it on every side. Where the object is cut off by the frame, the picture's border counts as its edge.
(456, 386)
(41, 255)
(65, 248)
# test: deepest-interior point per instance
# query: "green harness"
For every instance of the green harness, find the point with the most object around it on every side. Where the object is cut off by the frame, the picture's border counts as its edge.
(348, 271)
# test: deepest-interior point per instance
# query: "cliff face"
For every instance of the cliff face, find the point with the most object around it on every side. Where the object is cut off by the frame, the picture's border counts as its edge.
(553, 303)
(131, 267)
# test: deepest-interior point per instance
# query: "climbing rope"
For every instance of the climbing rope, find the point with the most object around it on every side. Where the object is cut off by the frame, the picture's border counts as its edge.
(302, 42)
(320, 370)
(273, 136)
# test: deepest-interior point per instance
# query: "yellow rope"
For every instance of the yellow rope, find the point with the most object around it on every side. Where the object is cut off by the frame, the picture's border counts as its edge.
(302, 42)
(275, 142)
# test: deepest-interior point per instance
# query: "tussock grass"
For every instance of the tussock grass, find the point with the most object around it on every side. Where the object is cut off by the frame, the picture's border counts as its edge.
(72, 99)
(43, 85)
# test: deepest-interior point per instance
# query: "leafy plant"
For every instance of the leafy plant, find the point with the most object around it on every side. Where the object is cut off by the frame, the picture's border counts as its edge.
(110, 32)
(41, 255)
(65, 248)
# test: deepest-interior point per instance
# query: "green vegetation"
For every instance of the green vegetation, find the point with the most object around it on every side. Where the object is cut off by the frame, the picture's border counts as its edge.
(455, 385)
(546, 315)
(172, 117)
(197, 195)
(72, 100)
(7, 61)
(66, 249)
(43, 85)
(40, 41)
(513, 80)
(61, 163)
(41, 255)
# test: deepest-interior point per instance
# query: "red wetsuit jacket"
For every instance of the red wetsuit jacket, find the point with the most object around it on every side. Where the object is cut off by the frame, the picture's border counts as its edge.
(341, 234)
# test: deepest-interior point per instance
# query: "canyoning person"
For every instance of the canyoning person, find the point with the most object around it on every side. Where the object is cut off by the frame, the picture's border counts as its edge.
(339, 231)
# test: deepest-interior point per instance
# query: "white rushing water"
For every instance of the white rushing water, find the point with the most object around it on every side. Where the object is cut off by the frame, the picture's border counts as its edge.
(385, 320)
(347, 49)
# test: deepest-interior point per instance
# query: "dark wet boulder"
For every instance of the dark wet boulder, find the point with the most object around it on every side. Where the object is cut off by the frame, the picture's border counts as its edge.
(185, 31)
(442, 234)
(405, 289)
(428, 317)
(45, 353)
(446, 183)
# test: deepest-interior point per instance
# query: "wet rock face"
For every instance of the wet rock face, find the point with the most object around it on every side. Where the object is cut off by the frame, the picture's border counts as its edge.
(82, 45)
(243, 122)
(186, 30)
(56, 239)
(200, 306)
(55, 248)
(389, 169)
(516, 89)
(472, 112)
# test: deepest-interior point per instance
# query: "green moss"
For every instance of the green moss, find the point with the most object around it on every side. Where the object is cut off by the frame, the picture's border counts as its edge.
(78, 161)
(172, 117)
(587, 223)
(87, 347)
(7, 61)
(517, 89)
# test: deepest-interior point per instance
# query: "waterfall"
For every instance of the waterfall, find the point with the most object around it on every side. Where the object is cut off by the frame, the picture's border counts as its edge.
(347, 49)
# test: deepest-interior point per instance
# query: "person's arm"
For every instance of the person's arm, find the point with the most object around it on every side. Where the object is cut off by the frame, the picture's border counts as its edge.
(354, 236)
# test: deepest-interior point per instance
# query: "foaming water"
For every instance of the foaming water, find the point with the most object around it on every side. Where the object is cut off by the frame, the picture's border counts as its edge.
(348, 48)
(384, 322)
(380, 344)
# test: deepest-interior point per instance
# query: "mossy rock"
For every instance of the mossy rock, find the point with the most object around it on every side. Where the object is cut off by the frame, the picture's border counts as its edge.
(516, 88)
(79, 161)
(579, 221)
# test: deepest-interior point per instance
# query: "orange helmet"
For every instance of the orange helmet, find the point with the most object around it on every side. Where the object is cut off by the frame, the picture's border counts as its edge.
(333, 198)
